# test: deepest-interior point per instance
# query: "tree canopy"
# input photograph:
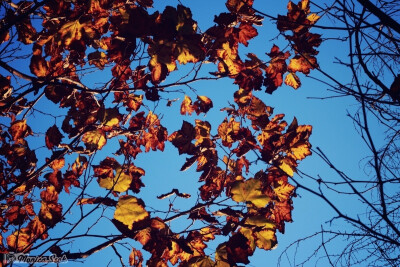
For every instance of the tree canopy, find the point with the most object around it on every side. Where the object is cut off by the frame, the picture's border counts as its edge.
(82, 85)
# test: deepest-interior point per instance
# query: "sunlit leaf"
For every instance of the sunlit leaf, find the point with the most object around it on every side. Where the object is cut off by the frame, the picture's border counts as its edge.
(266, 239)
(135, 258)
(95, 139)
(186, 106)
(292, 80)
(130, 210)
(249, 191)
(260, 221)
(120, 182)
(19, 129)
(288, 166)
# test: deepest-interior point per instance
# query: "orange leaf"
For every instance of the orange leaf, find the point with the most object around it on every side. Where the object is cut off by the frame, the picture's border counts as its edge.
(246, 32)
(186, 106)
(19, 129)
(95, 139)
(292, 80)
(135, 258)
(303, 63)
(38, 66)
(20, 241)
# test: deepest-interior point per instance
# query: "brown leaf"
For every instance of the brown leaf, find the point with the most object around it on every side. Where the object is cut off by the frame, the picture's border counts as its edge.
(186, 106)
(19, 129)
(53, 137)
(246, 32)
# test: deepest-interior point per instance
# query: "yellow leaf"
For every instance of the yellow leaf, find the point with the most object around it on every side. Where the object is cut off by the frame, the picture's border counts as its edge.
(266, 239)
(120, 182)
(248, 233)
(129, 211)
(186, 106)
(286, 165)
(185, 55)
(94, 139)
(20, 240)
(300, 151)
(284, 191)
(260, 221)
(221, 256)
(292, 80)
(249, 191)
(73, 30)
(313, 18)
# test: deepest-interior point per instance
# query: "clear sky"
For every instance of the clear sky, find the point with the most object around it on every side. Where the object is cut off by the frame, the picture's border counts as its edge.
(333, 132)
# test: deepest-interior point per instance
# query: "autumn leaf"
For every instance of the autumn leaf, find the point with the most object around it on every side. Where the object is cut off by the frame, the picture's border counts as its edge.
(249, 191)
(135, 258)
(182, 139)
(186, 106)
(266, 239)
(284, 191)
(75, 30)
(246, 32)
(260, 221)
(302, 63)
(288, 165)
(119, 182)
(99, 59)
(20, 241)
(292, 80)
(53, 137)
(19, 129)
(228, 131)
(95, 139)
(203, 104)
(130, 210)
(200, 261)
(158, 73)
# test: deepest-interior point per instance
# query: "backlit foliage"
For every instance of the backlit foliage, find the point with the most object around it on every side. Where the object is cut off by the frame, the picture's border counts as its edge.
(242, 200)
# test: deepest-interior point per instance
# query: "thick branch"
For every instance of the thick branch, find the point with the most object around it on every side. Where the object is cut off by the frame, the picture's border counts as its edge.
(385, 19)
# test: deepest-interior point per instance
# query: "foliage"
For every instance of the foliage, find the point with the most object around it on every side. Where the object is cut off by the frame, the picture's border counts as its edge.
(140, 50)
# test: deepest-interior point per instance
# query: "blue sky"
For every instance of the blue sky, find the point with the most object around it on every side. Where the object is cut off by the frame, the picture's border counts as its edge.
(333, 132)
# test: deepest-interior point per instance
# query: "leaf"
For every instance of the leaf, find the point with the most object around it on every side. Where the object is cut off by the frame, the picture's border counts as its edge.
(158, 73)
(200, 261)
(53, 137)
(292, 80)
(20, 241)
(203, 104)
(246, 32)
(130, 210)
(221, 256)
(135, 258)
(284, 191)
(99, 59)
(249, 191)
(302, 63)
(75, 30)
(228, 131)
(313, 18)
(260, 221)
(19, 129)
(95, 139)
(266, 239)
(186, 106)
(120, 182)
(182, 139)
(288, 165)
